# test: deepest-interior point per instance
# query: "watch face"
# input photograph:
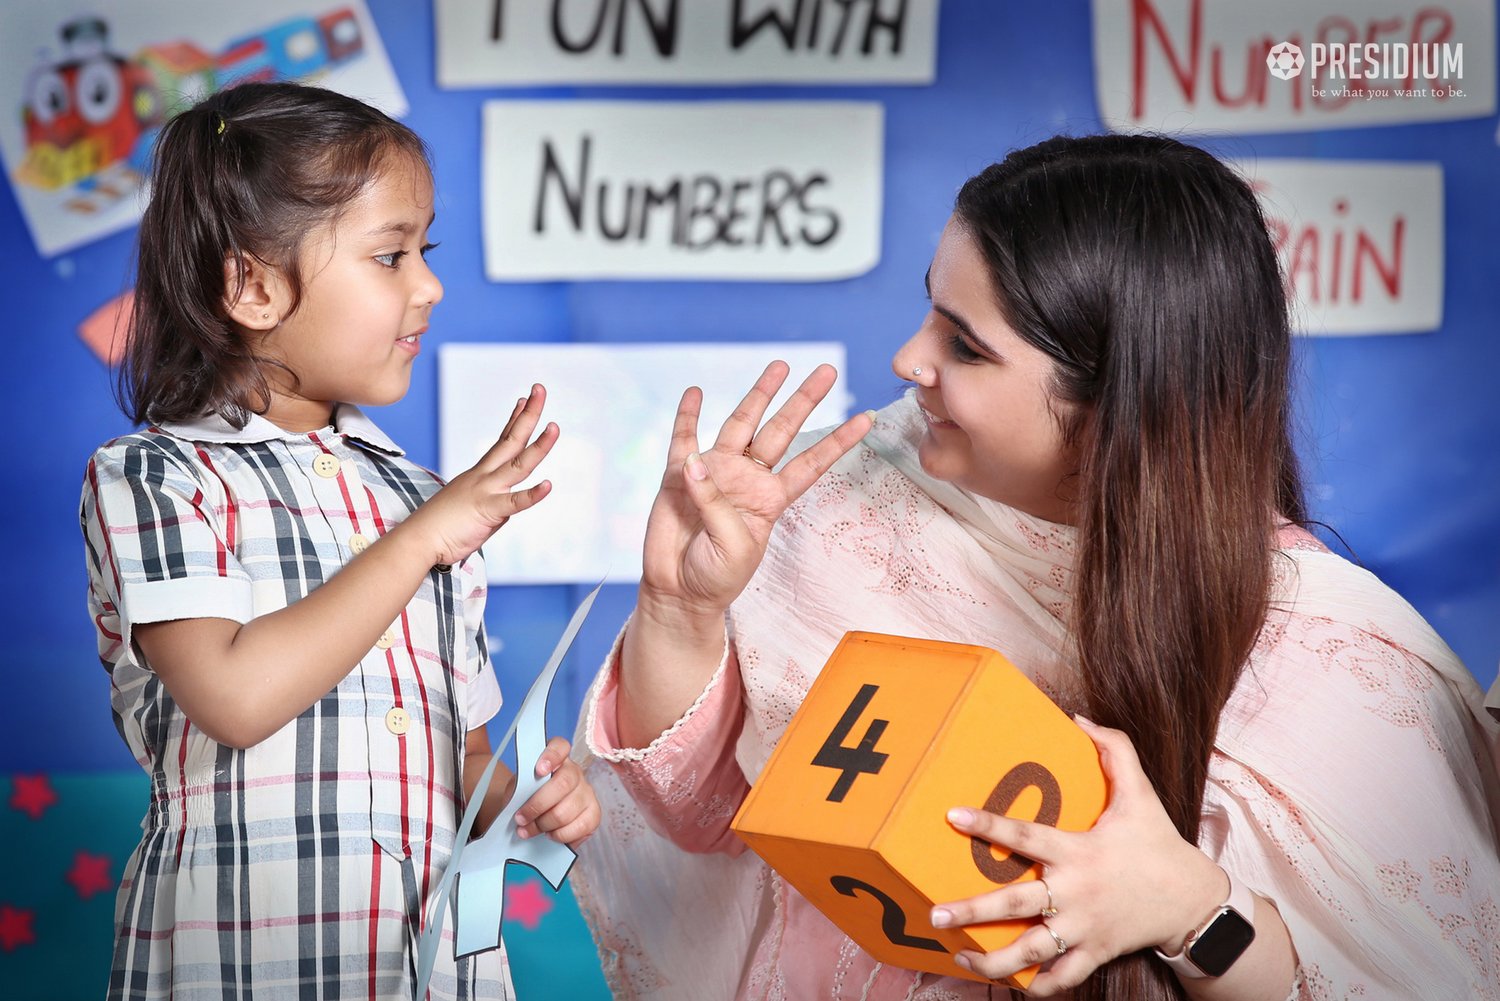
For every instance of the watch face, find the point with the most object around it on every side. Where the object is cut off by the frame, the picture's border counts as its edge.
(1221, 943)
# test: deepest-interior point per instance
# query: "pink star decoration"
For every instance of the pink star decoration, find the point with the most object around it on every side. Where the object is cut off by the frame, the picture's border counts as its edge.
(525, 902)
(15, 927)
(32, 794)
(90, 874)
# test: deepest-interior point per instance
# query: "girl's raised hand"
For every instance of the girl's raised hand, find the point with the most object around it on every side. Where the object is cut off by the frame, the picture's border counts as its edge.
(713, 515)
(464, 514)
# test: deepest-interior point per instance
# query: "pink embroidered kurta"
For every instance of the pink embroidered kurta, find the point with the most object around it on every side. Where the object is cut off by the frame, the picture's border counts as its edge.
(1353, 780)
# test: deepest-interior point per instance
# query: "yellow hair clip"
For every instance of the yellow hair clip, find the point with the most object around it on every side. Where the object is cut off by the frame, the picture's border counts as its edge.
(219, 130)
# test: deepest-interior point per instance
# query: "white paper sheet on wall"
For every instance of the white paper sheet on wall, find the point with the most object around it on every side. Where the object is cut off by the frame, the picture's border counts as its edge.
(614, 405)
(1360, 242)
(500, 43)
(1203, 67)
(738, 190)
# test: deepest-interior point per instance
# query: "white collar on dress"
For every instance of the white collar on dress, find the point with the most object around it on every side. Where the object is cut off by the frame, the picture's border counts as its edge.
(348, 420)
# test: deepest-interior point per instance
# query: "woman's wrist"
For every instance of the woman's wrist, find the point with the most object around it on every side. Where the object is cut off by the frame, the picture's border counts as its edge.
(690, 624)
(1205, 886)
(667, 656)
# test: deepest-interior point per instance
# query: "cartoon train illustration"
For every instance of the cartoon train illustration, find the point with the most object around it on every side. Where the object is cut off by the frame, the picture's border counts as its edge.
(92, 115)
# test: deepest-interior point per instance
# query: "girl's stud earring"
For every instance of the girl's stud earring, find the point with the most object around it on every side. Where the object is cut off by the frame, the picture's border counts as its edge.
(267, 316)
(916, 373)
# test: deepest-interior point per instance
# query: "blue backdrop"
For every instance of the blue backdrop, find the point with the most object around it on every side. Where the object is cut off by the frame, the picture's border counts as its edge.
(1398, 432)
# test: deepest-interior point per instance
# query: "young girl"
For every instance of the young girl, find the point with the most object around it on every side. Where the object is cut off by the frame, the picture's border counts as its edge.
(290, 611)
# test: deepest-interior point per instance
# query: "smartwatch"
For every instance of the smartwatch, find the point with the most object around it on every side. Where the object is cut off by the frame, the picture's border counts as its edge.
(1212, 947)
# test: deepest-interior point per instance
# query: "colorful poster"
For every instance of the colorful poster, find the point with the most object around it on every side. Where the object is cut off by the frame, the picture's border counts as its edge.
(614, 404)
(1361, 243)
(86, 93)
(482, 43)
(1202, 66)
(748, 190)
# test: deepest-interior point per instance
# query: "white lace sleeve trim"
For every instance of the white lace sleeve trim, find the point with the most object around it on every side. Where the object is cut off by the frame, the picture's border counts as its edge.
(608, 673)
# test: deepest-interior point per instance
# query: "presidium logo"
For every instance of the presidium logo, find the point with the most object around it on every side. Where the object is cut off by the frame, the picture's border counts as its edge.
(1284, 61)
(1400, 63)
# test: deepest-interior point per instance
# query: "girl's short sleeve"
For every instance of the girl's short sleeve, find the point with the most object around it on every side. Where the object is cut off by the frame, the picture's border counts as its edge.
(483, 690)
(160, 540)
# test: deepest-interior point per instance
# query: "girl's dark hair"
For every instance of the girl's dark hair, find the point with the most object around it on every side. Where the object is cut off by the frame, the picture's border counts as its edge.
(248, 172)
(1143, 268)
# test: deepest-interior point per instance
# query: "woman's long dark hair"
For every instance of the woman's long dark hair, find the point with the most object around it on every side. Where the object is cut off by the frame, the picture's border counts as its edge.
(1143, 268)
(249, 171)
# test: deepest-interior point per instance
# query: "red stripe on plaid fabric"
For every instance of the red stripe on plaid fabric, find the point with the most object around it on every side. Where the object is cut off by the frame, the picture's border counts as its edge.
(374, 914)
(341, 481)
(220, 551)
(390, 662)
(380, 527)
(99, 624)
(182, 746)
(401, 746)
(427, 733)
(230, 505)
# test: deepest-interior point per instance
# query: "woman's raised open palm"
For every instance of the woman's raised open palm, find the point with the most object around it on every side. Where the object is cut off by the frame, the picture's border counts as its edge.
(713, 515)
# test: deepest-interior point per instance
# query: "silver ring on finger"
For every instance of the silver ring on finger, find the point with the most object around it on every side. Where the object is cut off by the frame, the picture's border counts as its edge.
(755, 459)
(1062, 943)
(1050, 911)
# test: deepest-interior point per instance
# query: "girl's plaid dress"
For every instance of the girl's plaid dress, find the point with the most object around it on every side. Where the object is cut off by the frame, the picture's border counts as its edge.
(297, 868)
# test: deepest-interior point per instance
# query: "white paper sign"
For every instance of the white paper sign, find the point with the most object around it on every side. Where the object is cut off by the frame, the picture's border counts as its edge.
(662, 189)
(1360, 243)
(483, 43)
(614, 405)
(1291, 65)
(85, 87)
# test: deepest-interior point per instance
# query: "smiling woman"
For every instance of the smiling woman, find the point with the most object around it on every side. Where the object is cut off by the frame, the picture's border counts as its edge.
(1094, 475)
(984, 392)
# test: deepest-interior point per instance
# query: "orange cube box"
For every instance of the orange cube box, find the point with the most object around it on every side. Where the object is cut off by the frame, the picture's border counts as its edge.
(851, 808)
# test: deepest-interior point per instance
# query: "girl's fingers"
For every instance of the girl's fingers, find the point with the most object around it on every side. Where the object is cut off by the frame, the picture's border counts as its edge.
(517, 430)
(770, 442)
(552, 792)
(684, 432)
(510, 422)
(576, 831)
(516, 501)
(740, 428)
(803, 471)
(553, 756)
(563, 813)
(524, 462)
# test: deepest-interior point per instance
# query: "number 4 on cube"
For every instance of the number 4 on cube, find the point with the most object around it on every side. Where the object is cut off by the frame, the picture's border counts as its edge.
(851, 808)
